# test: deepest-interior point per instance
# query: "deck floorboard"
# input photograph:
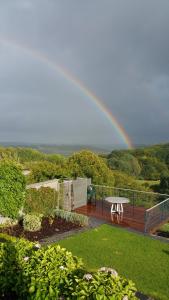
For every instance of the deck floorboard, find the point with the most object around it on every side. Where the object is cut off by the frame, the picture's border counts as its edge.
(133, 217)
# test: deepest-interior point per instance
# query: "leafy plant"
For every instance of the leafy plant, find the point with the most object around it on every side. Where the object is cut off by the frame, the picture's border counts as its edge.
(72, 217)
(32, 222)
(12, 189)
(41, 201)
(33, 273)
(101, 285)
(45, 170)
(88, 164)
(164, 184)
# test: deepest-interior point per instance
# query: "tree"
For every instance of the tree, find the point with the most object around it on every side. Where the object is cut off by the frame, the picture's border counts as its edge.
(12, 189)
(88, 164)
(44, 170)
(124, 162)
(122, 180)
(164, 184)
(152, 168)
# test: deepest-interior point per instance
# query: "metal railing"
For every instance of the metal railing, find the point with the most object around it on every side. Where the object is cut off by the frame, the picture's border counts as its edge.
(156, 215)
(137, 198)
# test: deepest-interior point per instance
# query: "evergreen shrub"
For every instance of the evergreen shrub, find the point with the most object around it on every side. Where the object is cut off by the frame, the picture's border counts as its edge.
(12, 189)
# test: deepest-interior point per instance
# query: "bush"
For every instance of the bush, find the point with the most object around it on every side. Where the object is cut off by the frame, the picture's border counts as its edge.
(125, 162)
(104, 284)
(12, 189)
(30, 272)
(41, 201)
(164, 184)
(32, 222)
(88, 164)
(45, 170)
(72, 217)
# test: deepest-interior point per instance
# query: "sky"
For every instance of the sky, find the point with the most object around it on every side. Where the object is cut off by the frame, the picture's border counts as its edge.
(118, 49)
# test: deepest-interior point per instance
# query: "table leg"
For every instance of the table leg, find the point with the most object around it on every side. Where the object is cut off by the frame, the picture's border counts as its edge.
(113, 208)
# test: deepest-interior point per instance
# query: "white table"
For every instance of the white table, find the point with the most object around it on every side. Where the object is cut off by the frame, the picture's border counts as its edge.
(117, 204)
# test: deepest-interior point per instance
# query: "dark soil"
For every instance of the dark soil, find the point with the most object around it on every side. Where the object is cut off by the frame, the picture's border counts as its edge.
(58, 226)
(162, 233)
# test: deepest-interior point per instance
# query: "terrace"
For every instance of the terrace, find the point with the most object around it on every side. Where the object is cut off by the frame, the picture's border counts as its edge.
(145, 212)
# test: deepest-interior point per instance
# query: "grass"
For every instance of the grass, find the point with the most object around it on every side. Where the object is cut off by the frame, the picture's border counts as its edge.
(139, 258)
(165, 228)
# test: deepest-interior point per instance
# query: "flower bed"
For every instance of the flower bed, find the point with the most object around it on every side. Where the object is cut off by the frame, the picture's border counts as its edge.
(49, 227)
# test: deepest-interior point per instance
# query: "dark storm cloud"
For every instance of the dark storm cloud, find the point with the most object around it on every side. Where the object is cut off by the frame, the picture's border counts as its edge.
(119, 49)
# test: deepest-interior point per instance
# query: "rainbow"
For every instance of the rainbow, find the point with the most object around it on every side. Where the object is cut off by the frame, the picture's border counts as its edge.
(76, 82)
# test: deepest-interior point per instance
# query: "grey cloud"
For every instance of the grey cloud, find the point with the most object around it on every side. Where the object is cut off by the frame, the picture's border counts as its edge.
(118, 49)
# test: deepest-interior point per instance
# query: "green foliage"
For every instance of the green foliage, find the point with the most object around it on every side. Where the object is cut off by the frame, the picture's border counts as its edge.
(145, 163)
(122, 180)
(164, 228)
(32, 222)
(56, 158)
(102, 286)
(125, 162)
(72, 217)
(152, 168)
(8, 153)
(12, 189)
(88, 164)
(164, 184)
(28, 154)
(33, 273)
(44, 170)
(41, 201)
(30, 272)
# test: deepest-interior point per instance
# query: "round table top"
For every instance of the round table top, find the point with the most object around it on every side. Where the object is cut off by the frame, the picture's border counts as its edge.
(118, 200)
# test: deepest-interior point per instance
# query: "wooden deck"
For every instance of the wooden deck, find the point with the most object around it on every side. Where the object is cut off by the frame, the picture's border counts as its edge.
(133, 217)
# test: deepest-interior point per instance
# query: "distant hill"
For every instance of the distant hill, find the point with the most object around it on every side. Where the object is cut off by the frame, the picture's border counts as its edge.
(65, 150)
(148, 162)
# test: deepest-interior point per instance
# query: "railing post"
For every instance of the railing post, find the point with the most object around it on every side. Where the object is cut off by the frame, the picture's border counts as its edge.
(133, 202)
(145, 221)
(102, 201)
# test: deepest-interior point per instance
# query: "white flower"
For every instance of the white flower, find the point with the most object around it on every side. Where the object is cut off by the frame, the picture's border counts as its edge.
(62, 267)
(26, 258)
(88, 276)
(109, 270)
(125, 298)
(37, 246)
(113, 272)
(103, 269)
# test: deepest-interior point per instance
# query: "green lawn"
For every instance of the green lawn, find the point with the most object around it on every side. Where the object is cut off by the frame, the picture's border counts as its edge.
(134, 256)
(165, 228)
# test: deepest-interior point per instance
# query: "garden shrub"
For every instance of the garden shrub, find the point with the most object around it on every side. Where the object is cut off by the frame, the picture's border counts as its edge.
(30, 272)
(41, 201)
(12, 189)
(32, 222)
(33, 273)
(104, 284)
(72, 217)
